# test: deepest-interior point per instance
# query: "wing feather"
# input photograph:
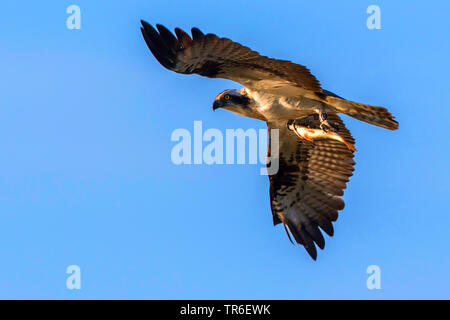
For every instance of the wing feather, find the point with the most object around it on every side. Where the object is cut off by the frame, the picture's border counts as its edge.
(211, 56)
(306, 191)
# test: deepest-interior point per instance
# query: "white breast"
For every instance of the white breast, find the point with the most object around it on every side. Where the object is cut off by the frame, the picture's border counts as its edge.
(275, 107)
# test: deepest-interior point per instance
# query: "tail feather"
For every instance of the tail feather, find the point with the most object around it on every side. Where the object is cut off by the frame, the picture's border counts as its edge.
(378, 116)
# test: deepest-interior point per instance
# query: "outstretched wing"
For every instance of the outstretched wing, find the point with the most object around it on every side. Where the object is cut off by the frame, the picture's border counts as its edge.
(214, 57)
(305, 193)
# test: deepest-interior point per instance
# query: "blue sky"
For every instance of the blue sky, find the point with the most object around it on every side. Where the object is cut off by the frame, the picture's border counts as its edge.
(86, 177)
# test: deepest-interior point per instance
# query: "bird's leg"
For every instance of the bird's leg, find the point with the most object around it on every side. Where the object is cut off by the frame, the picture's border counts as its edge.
(325, 124)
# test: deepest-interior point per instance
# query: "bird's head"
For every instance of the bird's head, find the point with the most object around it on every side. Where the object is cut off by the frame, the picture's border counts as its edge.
(236, 101)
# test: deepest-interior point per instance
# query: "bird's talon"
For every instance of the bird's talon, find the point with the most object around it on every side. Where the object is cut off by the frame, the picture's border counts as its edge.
(329, 126)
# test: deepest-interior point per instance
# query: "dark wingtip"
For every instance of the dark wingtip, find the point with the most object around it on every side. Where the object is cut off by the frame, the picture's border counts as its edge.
(183, 37)
(160, 28)
(289, 236)
(312, 251)
(161, 49)
(197, 34)
(168, 38)
(303, 238)
(145, 24)
(327, 227)
(320, 243)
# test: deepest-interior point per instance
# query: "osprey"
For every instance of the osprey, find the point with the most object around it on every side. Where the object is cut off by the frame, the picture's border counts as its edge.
(315, 148)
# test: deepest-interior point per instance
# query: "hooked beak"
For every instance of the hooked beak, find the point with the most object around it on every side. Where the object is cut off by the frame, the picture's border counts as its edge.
(217, 104)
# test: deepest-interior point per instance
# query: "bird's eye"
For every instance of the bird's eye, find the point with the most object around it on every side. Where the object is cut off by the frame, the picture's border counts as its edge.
(227, 97)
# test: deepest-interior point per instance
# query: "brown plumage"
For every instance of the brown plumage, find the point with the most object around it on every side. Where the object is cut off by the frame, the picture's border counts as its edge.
(306, 191)
(214, 57)
(211, 56)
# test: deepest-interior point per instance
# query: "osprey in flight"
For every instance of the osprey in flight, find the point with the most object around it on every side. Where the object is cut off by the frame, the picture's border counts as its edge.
(315, 148)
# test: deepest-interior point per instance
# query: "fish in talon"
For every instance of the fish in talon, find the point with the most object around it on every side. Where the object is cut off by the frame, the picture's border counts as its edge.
(315, 134)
